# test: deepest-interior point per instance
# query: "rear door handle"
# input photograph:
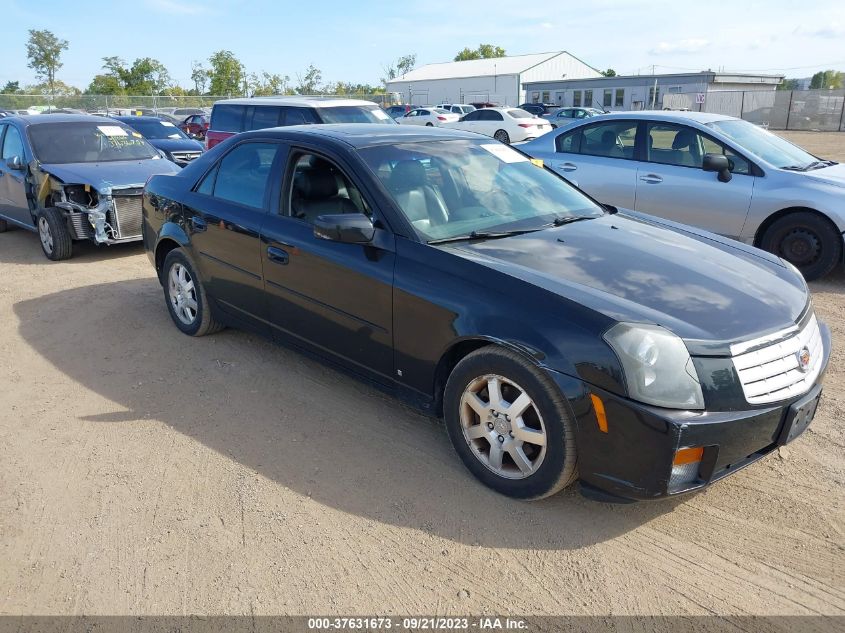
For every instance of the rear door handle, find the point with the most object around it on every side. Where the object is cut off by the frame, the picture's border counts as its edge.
(651, 178)
(277, 255)
(567, 167)
(198, 224)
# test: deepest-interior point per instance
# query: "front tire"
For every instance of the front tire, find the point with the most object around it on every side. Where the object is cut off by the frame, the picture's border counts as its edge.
(56, 242)
(510, 424)
(806, 240)
(185, 296)
(502, 137)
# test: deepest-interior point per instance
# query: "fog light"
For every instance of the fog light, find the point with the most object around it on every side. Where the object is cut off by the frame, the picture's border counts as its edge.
(685, 467)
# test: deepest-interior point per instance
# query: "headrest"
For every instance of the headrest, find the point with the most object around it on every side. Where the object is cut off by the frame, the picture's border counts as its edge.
(316, 184)
(608, 137)
(683, 138)
(407, 174)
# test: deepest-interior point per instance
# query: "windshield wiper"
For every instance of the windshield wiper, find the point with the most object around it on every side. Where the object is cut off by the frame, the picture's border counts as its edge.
(560, 221)
(819, 164)
(481, 235)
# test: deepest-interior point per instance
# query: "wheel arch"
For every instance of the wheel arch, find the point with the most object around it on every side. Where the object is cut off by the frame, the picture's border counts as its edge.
(777, 215)
(459, 350)
(166, 243)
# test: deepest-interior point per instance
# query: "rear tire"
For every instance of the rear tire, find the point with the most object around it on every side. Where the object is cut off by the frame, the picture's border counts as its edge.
(429, 124)
(56, 242)
(185, 296)
(502, 137)
(806, 240)
(510, 424)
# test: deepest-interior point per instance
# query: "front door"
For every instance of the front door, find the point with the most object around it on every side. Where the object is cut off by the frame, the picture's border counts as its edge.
(671, 183)
(13, 203)
(334, 296)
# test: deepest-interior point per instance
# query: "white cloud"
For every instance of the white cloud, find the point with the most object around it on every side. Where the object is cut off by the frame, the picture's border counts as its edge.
(546, 25)
(692, 45)
(831, 31)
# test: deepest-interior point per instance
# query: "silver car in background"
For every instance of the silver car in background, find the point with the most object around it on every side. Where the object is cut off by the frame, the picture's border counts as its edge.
(716, 172)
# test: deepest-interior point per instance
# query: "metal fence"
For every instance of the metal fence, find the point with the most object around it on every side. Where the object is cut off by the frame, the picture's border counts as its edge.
(814, 110)
(126, 104)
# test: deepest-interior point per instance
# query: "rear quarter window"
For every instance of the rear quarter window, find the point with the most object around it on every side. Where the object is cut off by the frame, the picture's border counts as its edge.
(227, 118)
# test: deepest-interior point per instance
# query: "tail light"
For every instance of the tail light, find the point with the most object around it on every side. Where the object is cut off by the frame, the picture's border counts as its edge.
(526, 125)
(441, 118)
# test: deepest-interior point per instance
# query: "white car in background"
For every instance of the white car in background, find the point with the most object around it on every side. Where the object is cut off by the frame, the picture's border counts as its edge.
(507, 125)
(432, 117)
(457, 108)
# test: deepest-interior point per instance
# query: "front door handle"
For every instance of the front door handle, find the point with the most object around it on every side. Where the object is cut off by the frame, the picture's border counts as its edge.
(651, 178)
(199, 225)
(567, 167)
(277, 255)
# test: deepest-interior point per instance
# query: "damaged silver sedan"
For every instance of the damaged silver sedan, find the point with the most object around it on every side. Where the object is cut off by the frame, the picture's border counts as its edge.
(74, 177)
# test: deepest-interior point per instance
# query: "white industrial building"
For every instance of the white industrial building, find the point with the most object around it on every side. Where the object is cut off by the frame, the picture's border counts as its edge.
(497, 80)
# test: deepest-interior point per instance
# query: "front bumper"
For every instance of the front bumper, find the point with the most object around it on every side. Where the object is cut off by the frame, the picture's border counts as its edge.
(633, 459)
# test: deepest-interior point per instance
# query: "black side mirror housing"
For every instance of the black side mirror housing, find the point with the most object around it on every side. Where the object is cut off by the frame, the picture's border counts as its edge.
(15, 163)
(351, 228)
(720, 164)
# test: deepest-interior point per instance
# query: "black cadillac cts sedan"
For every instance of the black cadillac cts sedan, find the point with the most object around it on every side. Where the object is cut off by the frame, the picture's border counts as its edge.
(559, 340)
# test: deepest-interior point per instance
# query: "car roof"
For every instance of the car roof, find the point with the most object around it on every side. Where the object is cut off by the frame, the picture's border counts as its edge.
(128, 118)
(37, 119)
(359, 135)
(665, 115)
(312, 102)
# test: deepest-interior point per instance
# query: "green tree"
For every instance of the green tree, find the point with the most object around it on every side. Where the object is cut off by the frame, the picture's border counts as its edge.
(401, 66)
(608, 73)
(827, 80)
(309, 83)
(105, 85)
(44, 51)
(788, 84)
(146, 76)
(484, 51)
(226, 74)
(200, 76)
(11, 88)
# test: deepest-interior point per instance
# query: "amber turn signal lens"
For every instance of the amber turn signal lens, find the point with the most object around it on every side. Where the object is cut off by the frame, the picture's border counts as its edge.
(598, 405)
(688, 455)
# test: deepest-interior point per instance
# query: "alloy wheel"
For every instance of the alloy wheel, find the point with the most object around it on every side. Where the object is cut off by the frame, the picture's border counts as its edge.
(503, 426)
(45, 234)
(183, 294)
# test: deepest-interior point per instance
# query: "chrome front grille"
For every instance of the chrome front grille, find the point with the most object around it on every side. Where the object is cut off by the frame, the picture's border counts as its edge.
(185, 157)
(771, 371)
(127, 217)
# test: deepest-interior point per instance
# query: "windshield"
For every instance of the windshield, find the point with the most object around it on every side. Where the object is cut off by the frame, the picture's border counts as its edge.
(55, 143)
(355, 114)
(762, 143)
(157, 129)
(452, 188)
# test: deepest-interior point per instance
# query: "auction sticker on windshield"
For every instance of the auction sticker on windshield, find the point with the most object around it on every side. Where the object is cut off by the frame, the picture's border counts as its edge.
(167, 124)
(505, 153)
(112, 130)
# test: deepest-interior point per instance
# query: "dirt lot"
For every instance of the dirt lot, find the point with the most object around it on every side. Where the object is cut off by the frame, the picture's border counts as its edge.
(144, 472)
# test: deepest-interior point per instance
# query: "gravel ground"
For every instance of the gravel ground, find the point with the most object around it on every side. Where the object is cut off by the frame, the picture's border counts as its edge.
(144, 472)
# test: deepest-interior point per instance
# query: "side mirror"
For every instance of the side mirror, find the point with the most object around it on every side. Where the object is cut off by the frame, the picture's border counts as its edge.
(15, 163)
(351, 228)
(720, 164)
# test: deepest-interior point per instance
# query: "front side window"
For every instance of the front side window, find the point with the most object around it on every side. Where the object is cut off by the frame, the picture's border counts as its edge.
(451, 188)
(683, 146)
(88, 143)
(318, 187)
(613, 139)
(265, 116)
(298, 116)
(225, 118)
(12, 143)
(738, 165)
(242, 175)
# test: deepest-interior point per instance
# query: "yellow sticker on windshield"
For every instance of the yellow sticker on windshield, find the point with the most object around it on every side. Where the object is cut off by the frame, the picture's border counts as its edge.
(136, 134)
(538, 162)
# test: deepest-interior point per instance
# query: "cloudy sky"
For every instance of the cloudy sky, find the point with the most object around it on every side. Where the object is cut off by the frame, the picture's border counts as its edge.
(352, 41)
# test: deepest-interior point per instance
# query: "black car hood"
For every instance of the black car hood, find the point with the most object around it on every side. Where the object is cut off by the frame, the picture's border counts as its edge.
(106, 175)
(702, 287)
(176, 144)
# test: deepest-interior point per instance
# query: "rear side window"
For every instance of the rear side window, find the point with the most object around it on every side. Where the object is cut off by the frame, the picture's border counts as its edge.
(242, 175)
(299, 116)
(265, 116)
(227, 118)
(12, 144)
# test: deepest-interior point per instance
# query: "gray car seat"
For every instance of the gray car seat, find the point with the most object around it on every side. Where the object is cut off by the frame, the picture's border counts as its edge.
(420, 201)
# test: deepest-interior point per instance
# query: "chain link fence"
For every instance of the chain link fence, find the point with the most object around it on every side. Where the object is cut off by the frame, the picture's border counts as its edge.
(132, 104)
(811, 110)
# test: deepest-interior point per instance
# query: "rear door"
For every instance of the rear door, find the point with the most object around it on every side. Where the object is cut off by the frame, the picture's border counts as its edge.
(13, 203)
(224, 215)
(333, 296)
(600, 159)
(671, 183)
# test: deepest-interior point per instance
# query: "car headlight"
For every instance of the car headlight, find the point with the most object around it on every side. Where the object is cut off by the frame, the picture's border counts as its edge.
(658, 368)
